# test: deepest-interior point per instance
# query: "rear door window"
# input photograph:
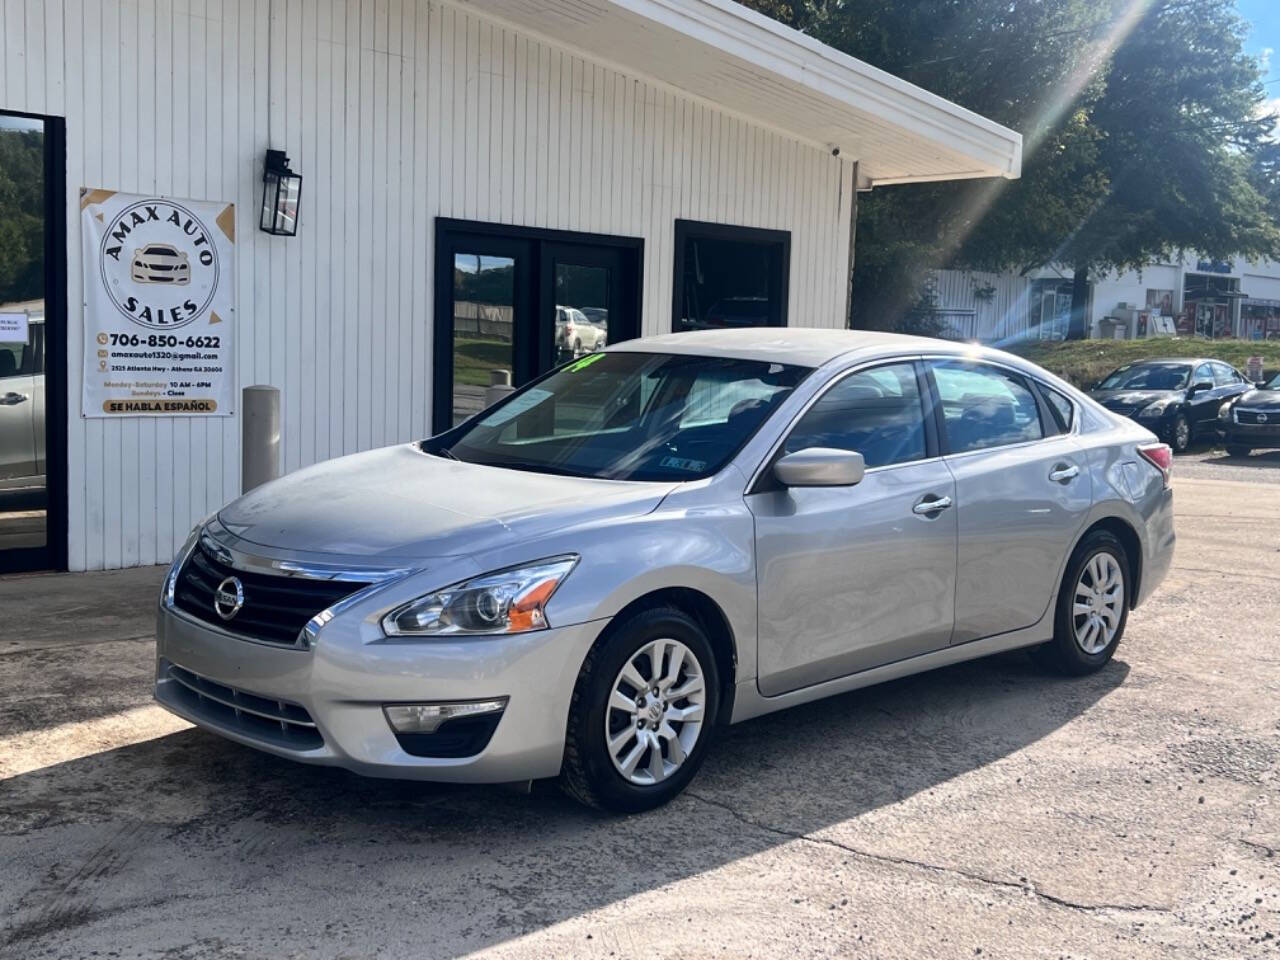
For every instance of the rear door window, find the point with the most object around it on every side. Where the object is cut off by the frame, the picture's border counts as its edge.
(985, 406)
(1063, 410)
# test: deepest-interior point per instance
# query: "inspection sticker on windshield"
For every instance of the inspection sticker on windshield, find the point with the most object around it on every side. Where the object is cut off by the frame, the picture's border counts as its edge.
(681, 463)
(526, 401)
(584, 362)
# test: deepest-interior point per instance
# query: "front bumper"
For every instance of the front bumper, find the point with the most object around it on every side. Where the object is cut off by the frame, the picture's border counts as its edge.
(1253, 434)
(343, 681)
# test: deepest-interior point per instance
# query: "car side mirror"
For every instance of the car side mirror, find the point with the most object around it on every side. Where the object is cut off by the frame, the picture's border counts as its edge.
(1200, 387)
(820, 467)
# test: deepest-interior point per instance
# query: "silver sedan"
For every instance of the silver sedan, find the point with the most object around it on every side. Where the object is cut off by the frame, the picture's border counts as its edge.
(590, 578)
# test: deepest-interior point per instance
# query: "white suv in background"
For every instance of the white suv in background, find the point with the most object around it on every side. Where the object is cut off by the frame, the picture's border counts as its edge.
(575, 334)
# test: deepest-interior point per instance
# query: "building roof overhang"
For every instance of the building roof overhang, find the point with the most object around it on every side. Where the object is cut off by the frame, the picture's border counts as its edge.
(745, 63)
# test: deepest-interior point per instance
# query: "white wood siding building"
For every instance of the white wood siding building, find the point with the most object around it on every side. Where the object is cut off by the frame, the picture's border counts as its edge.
(612, 117)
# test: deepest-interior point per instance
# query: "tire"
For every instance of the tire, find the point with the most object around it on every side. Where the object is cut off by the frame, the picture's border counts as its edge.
(1180, 433)
(1068, 652)
(589, 772)
(1237, 450)
(577, 348)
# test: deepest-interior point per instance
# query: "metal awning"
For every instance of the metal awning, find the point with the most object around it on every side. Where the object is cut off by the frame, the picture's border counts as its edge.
(727, 55)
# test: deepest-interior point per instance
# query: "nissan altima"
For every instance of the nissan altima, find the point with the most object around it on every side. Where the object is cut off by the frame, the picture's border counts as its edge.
(590, 578)
(1178, 400)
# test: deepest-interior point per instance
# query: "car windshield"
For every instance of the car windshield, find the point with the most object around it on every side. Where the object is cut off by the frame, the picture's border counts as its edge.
(626, 416)
(1274, 383)
(1148, 376)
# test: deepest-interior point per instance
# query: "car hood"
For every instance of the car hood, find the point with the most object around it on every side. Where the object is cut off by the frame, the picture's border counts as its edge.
(1132, 399)
(399, 502)
(1261, 400)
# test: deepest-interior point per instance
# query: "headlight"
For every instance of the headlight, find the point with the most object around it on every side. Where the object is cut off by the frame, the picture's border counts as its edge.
(508, 601)
(1225, 413)
(1157, 407)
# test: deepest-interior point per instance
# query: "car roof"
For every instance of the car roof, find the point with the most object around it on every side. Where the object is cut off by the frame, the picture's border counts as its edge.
(802, 346)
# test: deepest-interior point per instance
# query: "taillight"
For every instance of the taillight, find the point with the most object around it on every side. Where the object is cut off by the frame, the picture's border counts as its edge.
(1160, 456)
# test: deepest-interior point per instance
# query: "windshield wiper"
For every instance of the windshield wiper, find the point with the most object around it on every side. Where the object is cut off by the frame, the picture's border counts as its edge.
(440, 452)
(532, 467)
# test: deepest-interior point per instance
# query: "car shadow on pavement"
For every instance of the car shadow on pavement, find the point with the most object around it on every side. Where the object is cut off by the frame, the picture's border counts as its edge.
(193, 836)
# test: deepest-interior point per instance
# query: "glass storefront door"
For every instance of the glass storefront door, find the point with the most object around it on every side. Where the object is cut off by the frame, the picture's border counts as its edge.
(26, 221)
(513, 302)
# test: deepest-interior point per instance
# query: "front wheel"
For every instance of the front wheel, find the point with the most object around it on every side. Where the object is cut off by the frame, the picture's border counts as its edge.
(1180, 434)
(1092, 609)
(642, 713)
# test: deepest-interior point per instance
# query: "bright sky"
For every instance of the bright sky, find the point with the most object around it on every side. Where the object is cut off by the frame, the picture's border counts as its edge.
(1264, 42)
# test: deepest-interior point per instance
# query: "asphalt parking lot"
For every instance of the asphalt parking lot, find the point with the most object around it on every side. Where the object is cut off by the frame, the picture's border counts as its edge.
(983, 810)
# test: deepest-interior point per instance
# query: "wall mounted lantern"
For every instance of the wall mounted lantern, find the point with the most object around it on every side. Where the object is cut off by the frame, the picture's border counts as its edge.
(281, 188)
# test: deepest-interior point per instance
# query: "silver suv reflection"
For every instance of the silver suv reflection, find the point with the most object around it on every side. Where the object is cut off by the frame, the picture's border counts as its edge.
(588, 579)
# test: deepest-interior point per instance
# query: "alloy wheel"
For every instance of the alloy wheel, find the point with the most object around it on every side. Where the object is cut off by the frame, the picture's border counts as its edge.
(1182, 434)
(655, 712)
(1099, 603)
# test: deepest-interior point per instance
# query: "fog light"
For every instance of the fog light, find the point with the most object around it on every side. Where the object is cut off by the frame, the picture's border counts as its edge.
(427, 717)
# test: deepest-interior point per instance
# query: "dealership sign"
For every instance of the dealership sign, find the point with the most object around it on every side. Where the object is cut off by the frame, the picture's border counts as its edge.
(159, 305)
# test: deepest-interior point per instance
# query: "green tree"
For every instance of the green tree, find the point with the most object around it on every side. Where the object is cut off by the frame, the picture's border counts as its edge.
(21, 215)
(1140, 129)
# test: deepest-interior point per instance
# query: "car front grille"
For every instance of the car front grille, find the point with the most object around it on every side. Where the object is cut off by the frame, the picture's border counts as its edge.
(277, 722)
(1124, 409)
(1256, 416)
(275, 609)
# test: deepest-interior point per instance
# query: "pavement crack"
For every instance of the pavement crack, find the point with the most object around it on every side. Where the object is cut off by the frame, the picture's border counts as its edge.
(1020, 886)
(1260, 847)
(1247, 575)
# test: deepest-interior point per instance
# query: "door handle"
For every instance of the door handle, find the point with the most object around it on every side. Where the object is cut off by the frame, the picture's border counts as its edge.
(926, 507)
(11, 399)
(1064, 472)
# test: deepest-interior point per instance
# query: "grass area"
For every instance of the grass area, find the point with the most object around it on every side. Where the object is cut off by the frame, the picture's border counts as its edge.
(1085, 362)
(473, 359)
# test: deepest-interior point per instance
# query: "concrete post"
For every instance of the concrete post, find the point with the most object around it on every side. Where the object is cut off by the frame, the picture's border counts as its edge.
(260, 444)
(499, 387)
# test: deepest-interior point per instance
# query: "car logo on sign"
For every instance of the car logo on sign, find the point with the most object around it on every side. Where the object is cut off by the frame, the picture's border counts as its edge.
(228, 598)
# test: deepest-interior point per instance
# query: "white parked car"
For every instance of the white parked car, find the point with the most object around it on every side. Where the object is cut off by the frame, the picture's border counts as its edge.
(576, 335)
(22, 463)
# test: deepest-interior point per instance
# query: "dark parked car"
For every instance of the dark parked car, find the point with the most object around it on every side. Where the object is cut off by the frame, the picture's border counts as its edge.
(1252, 421)
(1177, 400)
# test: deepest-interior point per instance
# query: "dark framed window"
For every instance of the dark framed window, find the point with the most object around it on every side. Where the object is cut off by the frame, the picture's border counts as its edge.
(727, 276)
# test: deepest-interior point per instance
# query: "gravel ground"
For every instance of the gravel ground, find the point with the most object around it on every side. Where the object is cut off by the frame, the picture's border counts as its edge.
(981, 810)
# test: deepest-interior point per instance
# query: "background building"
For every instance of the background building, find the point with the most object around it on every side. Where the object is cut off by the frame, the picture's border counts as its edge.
(476, 178)
(1198, 297)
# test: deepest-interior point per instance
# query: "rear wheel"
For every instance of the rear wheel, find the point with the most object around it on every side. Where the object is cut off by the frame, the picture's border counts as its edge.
(1238, 450)
(642, 713)
(1092, 608)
